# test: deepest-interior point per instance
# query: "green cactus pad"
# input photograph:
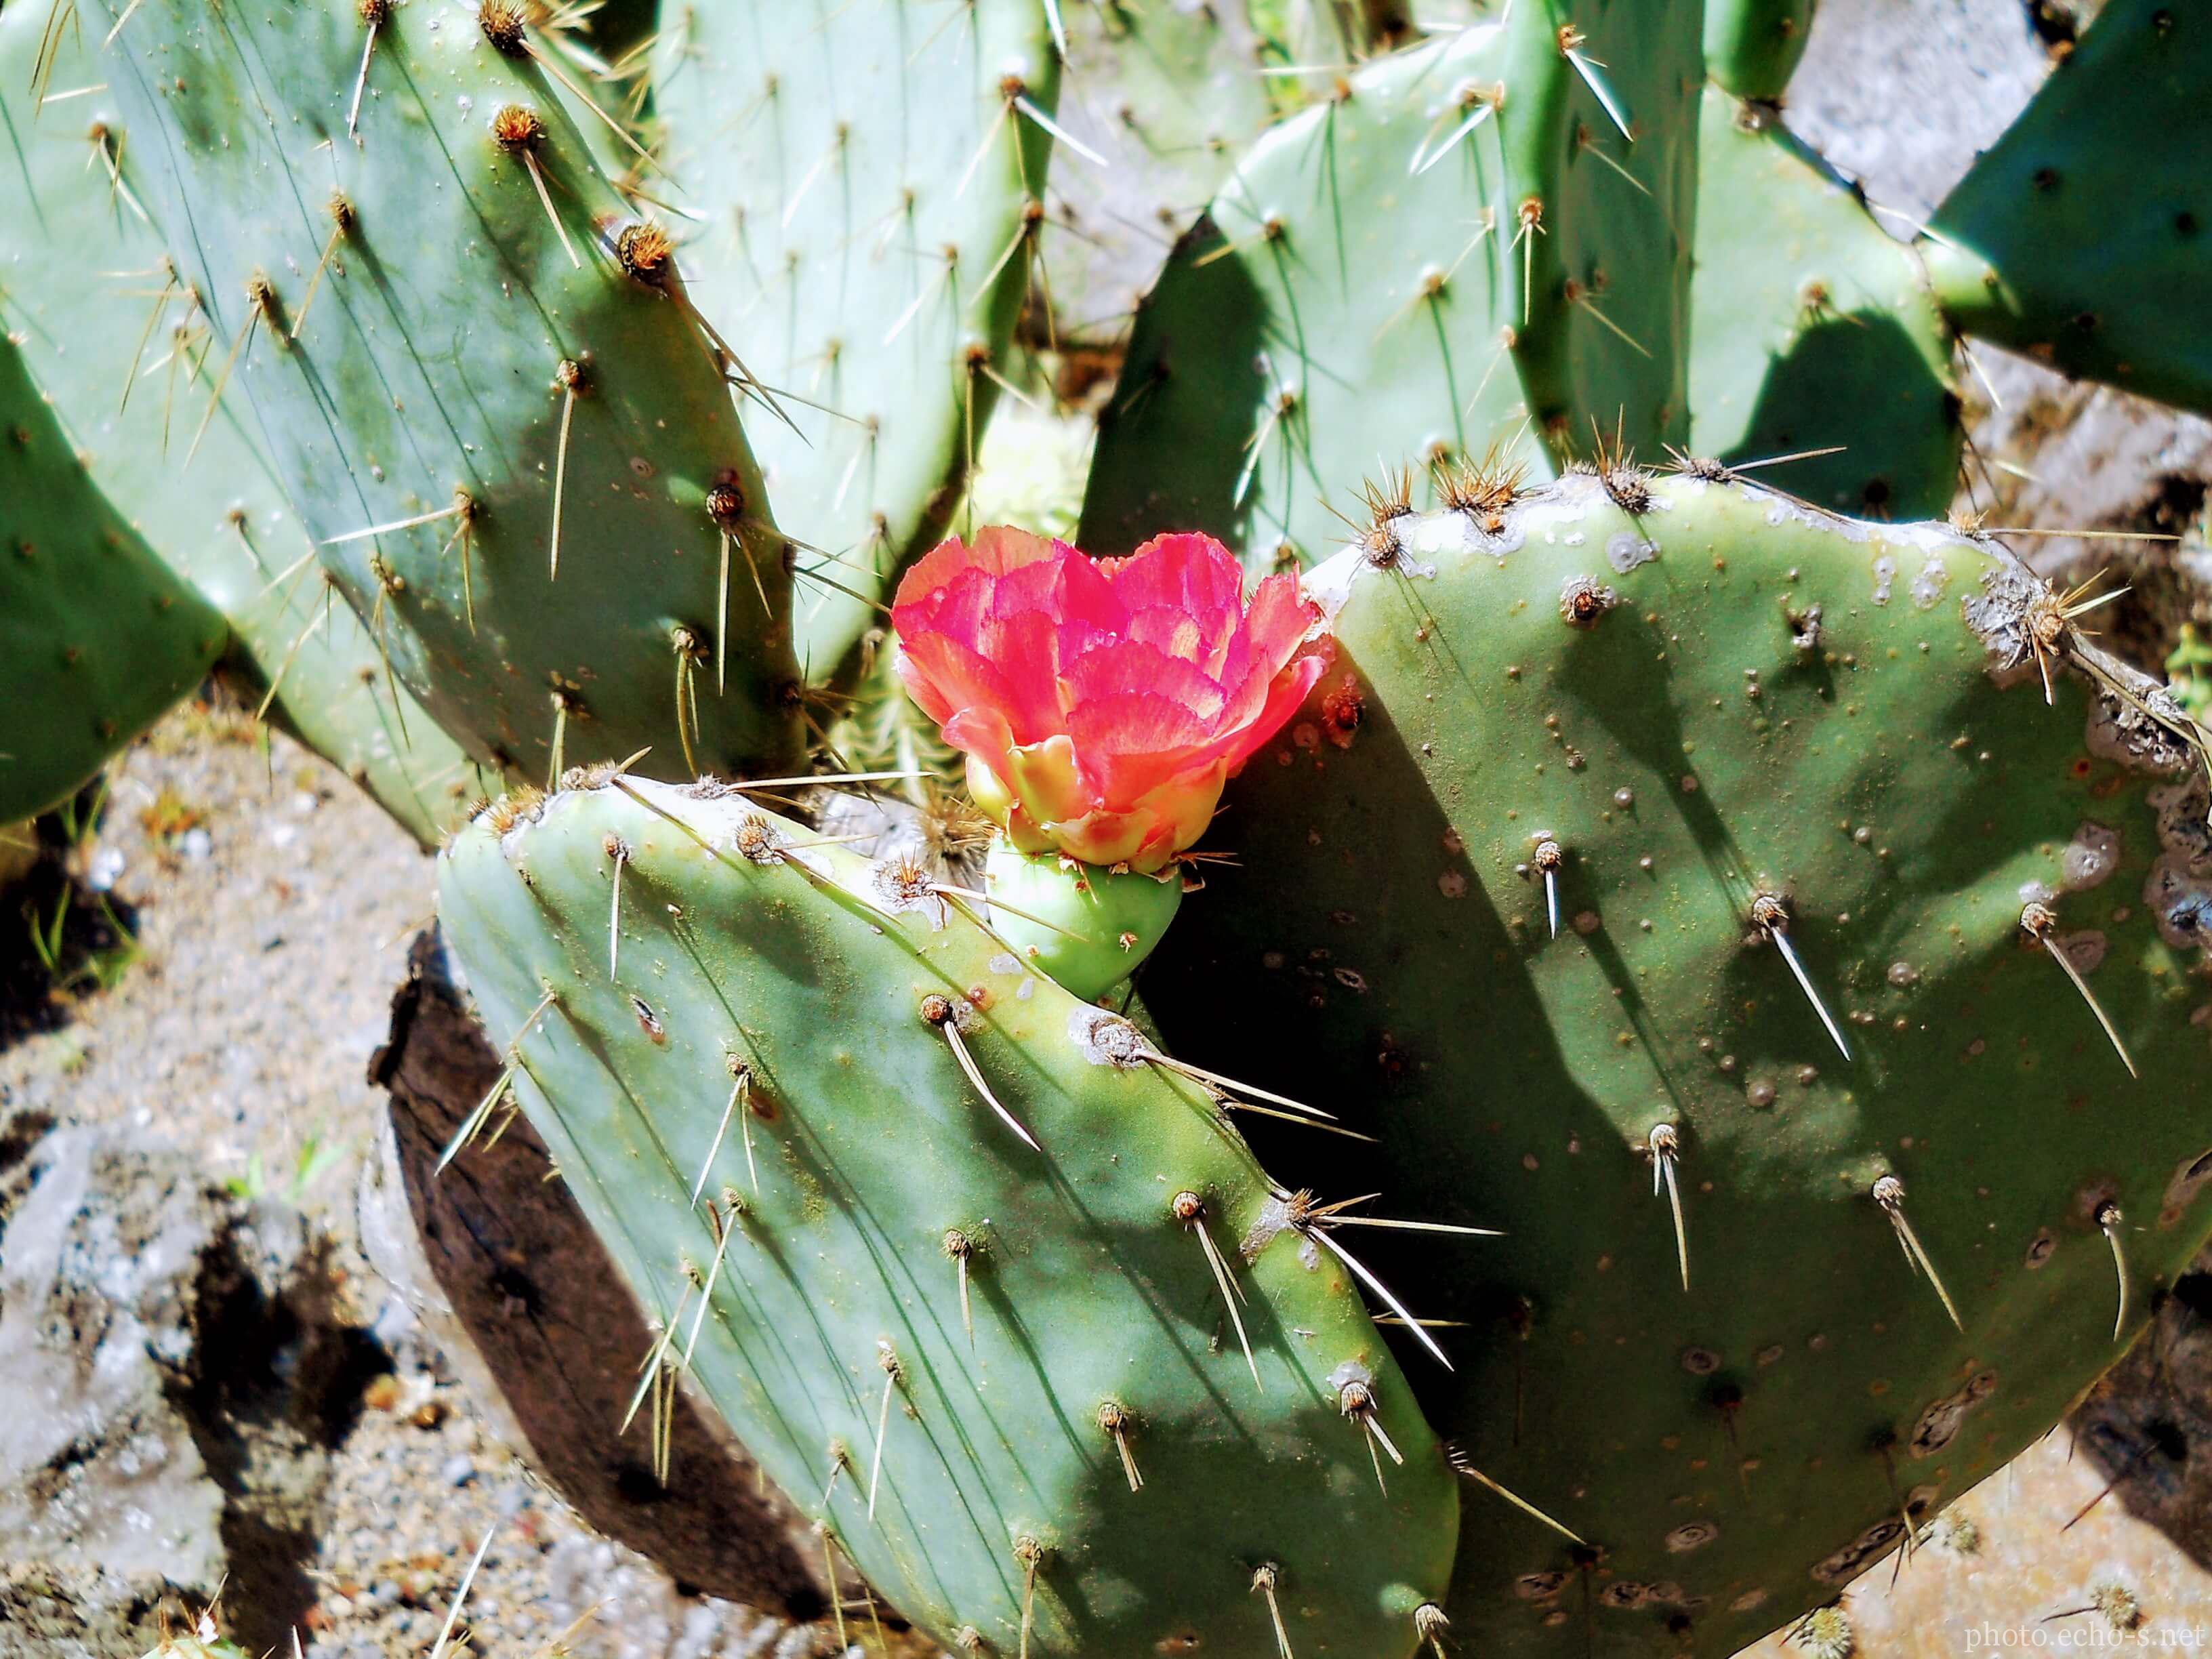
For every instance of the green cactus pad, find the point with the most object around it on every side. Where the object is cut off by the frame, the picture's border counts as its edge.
(1360, 288)
(2080, 236)
(866, 1181)
(1813, 328)
(222, 523)
(1193, 416)
(1697, 692)
(1752, 46)
(1171, 96)
(432, 372)
(866, 183)
(1291, 334)
(1603, 336)
(1085, 928)
(97, 638)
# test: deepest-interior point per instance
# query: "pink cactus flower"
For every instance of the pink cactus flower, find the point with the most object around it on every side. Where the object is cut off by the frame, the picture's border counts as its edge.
(1102, 702)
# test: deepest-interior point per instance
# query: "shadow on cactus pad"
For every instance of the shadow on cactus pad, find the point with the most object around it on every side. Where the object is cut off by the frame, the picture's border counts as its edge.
(1825, 1188)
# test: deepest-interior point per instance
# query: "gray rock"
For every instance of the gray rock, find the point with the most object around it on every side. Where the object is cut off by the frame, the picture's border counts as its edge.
(1902, 94)
(2148, 1422)
(636, 1613)
(175, 1373)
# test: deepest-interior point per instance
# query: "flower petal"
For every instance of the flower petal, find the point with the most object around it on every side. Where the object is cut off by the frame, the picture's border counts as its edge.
(999, 549)
(944, 675)
(1132, 742)
(1046, 778)
(954, 580)
(1024, 645)
(1177, 633)
(1186, 572)
(981, 733)
(1284, 693)
(1276, 621)
(1185, 594)
(1131, 666)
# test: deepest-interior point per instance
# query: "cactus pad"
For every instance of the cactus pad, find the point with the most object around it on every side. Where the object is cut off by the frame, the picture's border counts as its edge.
(872, 188)
(1172, 97)
(1698, 723)
(1813, 328)
(981, 1338)
(497, 343)
(1752, 47)
(97, 638)
(2079, 236)
(1410, 269)
(223, 523)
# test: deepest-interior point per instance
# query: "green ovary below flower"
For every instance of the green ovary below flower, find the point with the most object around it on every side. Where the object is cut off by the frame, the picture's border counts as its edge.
(1085, 927)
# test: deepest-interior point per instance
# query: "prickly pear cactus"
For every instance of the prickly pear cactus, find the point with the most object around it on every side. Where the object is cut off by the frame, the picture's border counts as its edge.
(981, 1281)
(478, 372)
(1752, 46)
(871, 178)
(2078, 237)
(1170, 98)
(1604, 268)
(1461, 247)
(1701, 891)
(97, 638)
(1791, 933)
(124, 354)
(1813, 330)
(1457, 243)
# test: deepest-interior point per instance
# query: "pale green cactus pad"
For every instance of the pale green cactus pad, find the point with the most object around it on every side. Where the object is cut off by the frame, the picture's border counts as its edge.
(490, 344)
(870, 175)
(967, 1306)
(124, 354)
(1413, 270)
